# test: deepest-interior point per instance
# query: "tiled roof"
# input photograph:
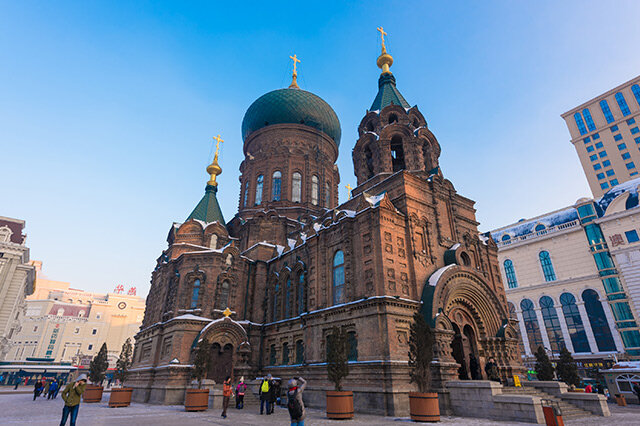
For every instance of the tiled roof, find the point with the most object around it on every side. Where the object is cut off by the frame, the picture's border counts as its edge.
(208, 209)
(388, 94)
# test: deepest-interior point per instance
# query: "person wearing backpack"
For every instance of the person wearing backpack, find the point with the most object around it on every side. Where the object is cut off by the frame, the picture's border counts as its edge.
(294, 403)
(240, 390)
(263, 391)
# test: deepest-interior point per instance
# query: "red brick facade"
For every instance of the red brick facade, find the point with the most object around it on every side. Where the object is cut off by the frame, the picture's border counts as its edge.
(291, 269)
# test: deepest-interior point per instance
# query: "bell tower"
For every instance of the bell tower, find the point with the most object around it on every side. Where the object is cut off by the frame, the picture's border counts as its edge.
(393, 136)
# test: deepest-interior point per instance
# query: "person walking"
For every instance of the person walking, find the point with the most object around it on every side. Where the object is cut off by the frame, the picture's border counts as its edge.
(263, 392)
(241, 388)
(274, 390)
(52, 389)
(71, 397)
(37, 388)
(45, 392)
(294, 401)
(227, 391)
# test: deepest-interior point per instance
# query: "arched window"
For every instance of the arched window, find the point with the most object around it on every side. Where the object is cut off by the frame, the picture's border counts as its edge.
(81, 314)
(352, 346)
(466, 260)
(223, 297)
(314, 190)
(276, 183)
(392, 118)
(598, 320)
(397, 153)
(287, 299)
(368, 157)
(60, 312)
(327, 195)
(574, 323)
(510, 272)
(622, 103)
(625, 382)
(285, 353)
(276, 307)
(299, 352)
(195, 294)
(580, 123)
(302, 302)
(587, 117)
(604, 106)
(506, 237)
(547, 267)
(338, 277)
(296, 187)
(636, 92)
(246, 194)
(531, 325)
(552, 324)
(272, 355)
(540, 227)
(259, 183)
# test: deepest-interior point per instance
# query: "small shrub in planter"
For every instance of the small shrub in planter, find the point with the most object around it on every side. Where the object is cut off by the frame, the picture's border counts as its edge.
(121, 397)
(198, 399)
(339, 402)
(97, 370)
(423, 405)
(567, 369)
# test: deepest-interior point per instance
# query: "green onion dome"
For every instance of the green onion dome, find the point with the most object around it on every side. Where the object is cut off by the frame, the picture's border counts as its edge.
(294, 106)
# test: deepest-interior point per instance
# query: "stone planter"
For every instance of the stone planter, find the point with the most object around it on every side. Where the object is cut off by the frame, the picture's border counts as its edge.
(196, 400)
(120, 397)
(340, 405)
(424, 407)
(92, 393)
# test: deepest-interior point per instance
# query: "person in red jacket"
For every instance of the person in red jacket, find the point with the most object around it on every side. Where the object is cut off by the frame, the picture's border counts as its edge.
(227, 391)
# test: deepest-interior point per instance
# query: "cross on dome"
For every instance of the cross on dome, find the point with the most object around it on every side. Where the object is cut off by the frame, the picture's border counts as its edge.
(294, 80)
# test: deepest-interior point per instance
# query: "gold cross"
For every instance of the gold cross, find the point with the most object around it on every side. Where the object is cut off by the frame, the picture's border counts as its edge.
(349, 188)
(295, 63)
(227, 312)
(218, 139)
(382, 34)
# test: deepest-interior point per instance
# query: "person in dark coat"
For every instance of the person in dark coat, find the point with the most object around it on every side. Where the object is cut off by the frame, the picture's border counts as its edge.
(271, 397)
(53, 387)
(295, 404)
(241, 388)
(491, 369)
(37, 388)
(263, 392)
(636, 390)
(474, 367)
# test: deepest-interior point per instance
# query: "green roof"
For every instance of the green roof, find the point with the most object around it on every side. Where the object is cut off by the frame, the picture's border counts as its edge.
(208, 209)
(295, 106)
(388, 94)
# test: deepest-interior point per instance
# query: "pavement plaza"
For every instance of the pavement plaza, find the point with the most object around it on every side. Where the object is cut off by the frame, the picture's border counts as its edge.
(21, 409)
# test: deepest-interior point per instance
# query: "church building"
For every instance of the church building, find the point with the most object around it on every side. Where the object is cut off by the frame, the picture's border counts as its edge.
(265, 288)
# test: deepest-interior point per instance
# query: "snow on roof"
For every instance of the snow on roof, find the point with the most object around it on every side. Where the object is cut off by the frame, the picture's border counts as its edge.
(317, 226)
(189, 317)
(291, 243)
(374, 200)
(630, 186)
(373, 133)
(350, 213)
(280, 249)
(455, 246)
(435, 277)
(521, 228)
(415, 132)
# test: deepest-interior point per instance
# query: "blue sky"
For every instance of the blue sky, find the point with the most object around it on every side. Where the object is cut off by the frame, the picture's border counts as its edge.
(107, 109)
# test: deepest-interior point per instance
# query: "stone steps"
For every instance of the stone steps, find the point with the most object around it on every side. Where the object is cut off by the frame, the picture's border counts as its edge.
(569, 411)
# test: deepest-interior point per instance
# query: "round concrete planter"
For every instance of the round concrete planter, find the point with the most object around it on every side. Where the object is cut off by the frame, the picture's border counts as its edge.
(120, 397)
(424, 407)
(92, 393)
(340, 405)
(196, 400)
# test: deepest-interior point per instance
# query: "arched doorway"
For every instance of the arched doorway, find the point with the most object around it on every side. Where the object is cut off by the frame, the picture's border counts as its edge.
(220, 362)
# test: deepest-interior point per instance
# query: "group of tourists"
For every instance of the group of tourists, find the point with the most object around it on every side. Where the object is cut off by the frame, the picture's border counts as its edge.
(46, 388)
(269, 392)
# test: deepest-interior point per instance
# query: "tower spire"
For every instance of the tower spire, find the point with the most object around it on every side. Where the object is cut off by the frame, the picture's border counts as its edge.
(214, 168)
(294, 79)
(384, 60)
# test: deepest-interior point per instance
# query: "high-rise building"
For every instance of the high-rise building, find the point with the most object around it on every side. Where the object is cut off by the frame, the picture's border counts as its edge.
(606, 134)
(64, 324)
(16, 278)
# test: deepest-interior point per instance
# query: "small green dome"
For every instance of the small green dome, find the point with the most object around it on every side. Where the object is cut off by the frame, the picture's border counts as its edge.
(293, 106)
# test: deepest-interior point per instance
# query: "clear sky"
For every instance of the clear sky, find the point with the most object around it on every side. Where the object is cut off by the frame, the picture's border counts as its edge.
(107, 109)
